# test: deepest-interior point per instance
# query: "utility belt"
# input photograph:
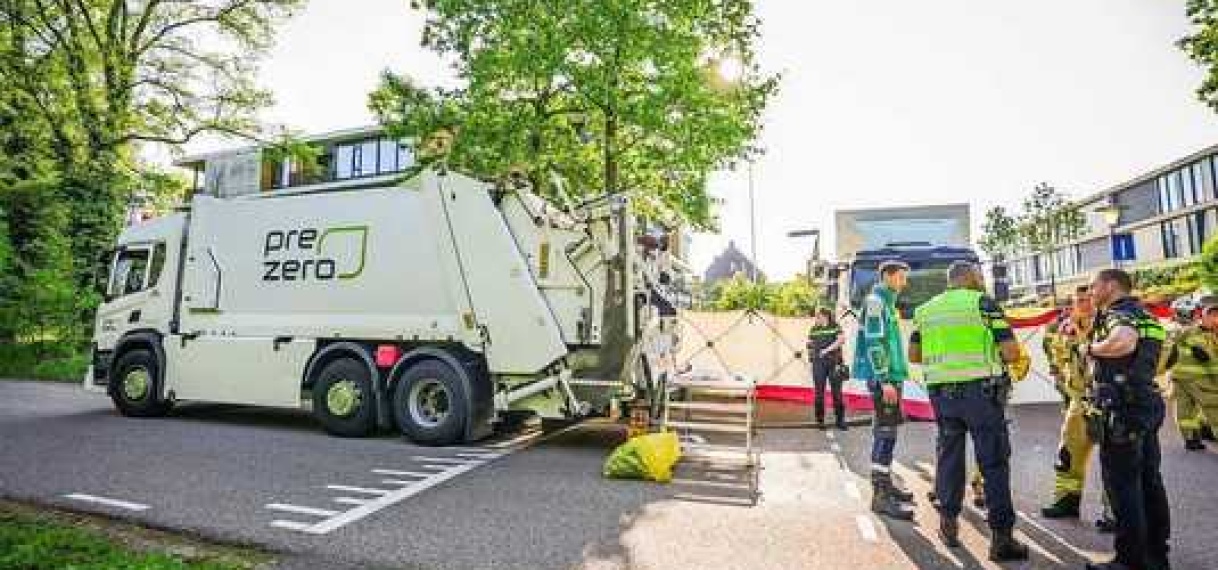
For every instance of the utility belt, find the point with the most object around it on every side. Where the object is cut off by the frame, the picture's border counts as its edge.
(1106, 409)
(997, 388)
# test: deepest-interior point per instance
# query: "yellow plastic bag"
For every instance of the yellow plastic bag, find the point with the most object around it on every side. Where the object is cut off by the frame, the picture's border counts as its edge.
(650, 456)
(1022, 365)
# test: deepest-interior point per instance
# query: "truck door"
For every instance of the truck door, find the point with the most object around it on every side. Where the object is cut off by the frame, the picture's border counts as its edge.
(136, 297)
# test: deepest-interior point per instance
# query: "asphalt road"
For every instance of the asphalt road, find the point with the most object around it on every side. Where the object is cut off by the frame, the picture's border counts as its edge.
(523, 500)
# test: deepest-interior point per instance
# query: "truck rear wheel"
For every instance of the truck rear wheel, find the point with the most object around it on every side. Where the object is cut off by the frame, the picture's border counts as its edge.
(342, 398)
(134, 386)
(430, 403)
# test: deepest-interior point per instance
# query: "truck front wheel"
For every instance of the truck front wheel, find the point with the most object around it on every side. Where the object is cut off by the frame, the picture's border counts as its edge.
(342, 398)
(430, 404)
(134, 385)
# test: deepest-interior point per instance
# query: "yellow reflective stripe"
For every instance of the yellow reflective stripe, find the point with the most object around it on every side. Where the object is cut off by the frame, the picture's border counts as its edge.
(971, 358)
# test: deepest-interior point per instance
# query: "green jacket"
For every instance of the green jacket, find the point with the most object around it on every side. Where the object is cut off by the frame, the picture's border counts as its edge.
(1193, 355)
(879, 353)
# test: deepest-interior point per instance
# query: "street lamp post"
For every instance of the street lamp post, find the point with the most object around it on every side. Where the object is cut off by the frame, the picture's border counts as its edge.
(1112, 218)
(815, 235)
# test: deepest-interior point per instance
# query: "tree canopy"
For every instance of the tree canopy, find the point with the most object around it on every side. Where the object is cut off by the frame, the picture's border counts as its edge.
(1202, 46)
(592, 96)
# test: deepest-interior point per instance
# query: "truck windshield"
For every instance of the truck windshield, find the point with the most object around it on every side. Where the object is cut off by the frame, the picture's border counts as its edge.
(926, 279)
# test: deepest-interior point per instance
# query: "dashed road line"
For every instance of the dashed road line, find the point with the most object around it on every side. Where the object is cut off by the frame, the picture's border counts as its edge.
(107, 501)
(442, 469)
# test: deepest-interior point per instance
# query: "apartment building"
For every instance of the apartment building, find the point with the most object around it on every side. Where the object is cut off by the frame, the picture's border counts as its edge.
(1165, 217)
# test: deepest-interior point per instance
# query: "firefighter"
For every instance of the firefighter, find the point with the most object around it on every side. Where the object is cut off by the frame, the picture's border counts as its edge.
(825, 340)
(1193, 363)
(1125, 412)
(964, 342)
(1064, 342)
(880, 362)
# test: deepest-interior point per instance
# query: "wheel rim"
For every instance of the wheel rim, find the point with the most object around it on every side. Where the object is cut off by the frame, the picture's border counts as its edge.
(135, 384)
(343, 398)
(429, 403)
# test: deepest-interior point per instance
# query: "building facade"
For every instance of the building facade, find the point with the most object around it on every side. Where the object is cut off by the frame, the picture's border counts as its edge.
(348, 158)
(1166, 216)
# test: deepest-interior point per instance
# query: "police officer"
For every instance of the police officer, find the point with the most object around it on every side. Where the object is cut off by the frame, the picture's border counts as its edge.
(879, 360)
(825, 342)
(1193, 361)
(1064, 344)
(1125, 416)
(963, 340)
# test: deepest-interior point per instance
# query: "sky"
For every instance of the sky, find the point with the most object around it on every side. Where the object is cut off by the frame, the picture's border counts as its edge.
(882, 103)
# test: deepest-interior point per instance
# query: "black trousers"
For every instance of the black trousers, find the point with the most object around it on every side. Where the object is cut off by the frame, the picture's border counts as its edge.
(1139, 501)
(970, 409)
(822, 374)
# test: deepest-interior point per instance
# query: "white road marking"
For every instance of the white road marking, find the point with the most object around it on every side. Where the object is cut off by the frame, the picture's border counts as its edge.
(398, 482)
(107, 501)
(450, 469)
(866, 528)
(358, 489)
(479, 455)
(301, 510)
(456, 460)
(401, 473)
(852, 491)
(1062, 541)
(522, 439)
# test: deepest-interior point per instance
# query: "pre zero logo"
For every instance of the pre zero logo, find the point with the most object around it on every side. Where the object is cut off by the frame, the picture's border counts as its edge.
(309, 254)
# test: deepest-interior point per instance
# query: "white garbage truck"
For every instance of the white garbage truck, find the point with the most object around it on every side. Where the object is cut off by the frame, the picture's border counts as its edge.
(438, 305)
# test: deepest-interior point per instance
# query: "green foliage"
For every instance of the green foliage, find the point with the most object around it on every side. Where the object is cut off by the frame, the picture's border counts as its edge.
(602, 95)
(1202, 46)
(1049, 220)
(1207, 265)
(84, 84)
(999, 233)
(44, 360)
(1169, 281)
(795, 298)
(31, 543)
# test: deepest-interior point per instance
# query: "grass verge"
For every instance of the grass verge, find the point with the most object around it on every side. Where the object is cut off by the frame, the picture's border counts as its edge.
(38, 539)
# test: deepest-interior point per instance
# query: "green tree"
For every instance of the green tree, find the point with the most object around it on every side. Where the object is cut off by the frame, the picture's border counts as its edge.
(602, 95)
(1048, 221)
(740, 293)
(92, 79)
(1207, 269)
(1202, 46)
(794, 298)
(1000, 237)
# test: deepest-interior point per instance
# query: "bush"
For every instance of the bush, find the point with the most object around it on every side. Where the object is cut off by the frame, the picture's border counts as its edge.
(44, 360)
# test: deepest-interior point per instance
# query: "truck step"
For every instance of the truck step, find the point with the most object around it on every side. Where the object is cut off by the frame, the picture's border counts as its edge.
(711, 427)
(711, 407)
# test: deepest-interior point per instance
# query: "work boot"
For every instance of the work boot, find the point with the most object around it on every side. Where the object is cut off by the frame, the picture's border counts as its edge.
(1065, 507)
(1194, 445)
(949, 532)
(1207, 433)
(1004, 547)
(899, 493)
(883, 503)
(1105, 524)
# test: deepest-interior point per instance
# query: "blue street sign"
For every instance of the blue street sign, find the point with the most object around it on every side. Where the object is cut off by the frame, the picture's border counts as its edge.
(1123, 247)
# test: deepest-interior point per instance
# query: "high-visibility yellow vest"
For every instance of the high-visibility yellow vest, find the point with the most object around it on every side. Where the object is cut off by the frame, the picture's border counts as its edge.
(957, 343)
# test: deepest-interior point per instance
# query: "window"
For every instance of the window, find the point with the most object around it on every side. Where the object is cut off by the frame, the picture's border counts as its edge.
(1187, 195)
(130, 272)
(1205, 182)
(405, 157)
(1161, 190)
(157, 265)
(1196, 232)
(1171, 239)
(344, 161)
(388, 151)
(365, 165)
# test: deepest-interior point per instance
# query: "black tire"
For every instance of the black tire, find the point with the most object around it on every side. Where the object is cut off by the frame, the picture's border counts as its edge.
(135, 385)
(430, 404)
(343, 400)
(514, 420)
